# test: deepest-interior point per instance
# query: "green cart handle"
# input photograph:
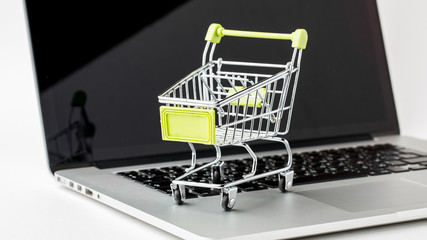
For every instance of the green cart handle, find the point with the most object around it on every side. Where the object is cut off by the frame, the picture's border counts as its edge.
(216, 32)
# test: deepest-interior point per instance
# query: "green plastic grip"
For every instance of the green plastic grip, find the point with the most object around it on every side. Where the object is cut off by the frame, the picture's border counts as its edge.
(299, 38)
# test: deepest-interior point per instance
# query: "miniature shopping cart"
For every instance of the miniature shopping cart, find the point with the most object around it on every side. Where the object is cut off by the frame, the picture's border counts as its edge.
(221, 104)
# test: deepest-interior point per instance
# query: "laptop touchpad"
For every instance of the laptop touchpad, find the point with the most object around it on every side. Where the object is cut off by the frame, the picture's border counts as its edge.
(371, 196)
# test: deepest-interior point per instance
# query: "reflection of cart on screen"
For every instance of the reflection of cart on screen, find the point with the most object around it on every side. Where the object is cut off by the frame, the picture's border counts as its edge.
(221, 103)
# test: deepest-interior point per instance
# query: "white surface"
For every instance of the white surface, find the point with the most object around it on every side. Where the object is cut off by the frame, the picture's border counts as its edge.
(404, 26)
(35, 207)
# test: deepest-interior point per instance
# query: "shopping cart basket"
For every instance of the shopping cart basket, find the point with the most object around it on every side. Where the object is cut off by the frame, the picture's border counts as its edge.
(221, 103)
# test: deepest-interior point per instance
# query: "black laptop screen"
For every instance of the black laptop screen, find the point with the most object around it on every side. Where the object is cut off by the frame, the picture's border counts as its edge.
(100, 68)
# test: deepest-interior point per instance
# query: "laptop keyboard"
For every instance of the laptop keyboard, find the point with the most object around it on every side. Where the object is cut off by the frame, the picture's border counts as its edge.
(309, 167)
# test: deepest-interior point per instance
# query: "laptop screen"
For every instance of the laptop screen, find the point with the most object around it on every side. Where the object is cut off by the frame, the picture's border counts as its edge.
(101, 66)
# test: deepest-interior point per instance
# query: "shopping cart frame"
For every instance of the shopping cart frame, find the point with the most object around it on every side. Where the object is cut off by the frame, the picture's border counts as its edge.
(209, 94)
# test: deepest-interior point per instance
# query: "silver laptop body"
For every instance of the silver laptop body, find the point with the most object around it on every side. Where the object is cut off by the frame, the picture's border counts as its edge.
(266, 214)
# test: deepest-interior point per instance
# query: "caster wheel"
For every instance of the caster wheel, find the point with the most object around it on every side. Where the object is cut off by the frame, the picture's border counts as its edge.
(176, 194)
(227, 203)
(216, 174)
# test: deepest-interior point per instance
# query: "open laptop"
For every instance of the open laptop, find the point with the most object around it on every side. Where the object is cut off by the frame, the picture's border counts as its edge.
(99, 70)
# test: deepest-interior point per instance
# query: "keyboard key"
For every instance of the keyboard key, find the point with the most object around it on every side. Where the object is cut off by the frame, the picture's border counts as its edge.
(415, 160)
(396, 163)
(399, 169)
(406, 155)
(417, 167)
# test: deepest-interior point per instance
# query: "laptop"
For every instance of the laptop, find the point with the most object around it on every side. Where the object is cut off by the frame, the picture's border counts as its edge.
(101, 67)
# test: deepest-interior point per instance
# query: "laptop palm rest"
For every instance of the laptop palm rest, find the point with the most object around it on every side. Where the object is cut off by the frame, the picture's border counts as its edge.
(371, 196)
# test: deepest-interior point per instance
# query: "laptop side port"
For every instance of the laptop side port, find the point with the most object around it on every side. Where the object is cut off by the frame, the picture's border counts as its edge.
(88, 192)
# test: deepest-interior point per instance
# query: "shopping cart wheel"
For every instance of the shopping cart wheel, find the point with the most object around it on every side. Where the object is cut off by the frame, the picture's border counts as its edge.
(216, 175)
(177, 194)
(228, 198)
(286, 181)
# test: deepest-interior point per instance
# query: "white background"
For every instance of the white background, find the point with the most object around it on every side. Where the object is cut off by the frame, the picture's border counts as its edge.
(33, 206)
